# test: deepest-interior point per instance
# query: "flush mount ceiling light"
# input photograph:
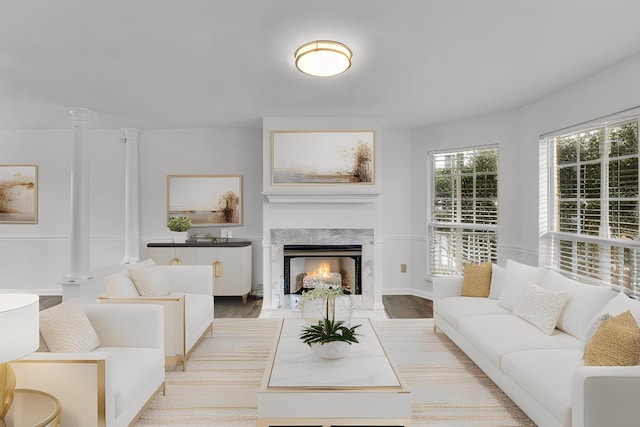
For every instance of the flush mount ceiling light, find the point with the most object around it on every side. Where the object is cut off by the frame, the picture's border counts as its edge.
(323, 58)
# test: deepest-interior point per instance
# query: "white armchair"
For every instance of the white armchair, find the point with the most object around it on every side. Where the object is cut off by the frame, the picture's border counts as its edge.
(188, 307)
(112, 385)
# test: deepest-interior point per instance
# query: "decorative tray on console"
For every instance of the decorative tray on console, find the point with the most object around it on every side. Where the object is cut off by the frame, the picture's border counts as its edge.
(206, 238)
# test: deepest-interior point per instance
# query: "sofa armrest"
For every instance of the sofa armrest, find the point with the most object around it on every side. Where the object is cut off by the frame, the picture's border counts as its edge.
(83, 405)
(174, 320)
(190, 279)
(447, 286)
(605, 395)
(127, 325)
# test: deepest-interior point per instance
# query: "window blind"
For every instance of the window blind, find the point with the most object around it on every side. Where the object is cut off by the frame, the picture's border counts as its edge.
(463, 217)
(590, 201)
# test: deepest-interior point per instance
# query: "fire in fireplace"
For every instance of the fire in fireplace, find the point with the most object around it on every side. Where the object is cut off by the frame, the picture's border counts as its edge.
(307, 265)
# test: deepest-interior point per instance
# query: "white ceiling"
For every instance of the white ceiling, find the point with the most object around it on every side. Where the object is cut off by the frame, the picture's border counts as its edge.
(207, 63)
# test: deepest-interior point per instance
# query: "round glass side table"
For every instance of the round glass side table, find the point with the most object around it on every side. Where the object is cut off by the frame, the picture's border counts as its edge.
(33, 408)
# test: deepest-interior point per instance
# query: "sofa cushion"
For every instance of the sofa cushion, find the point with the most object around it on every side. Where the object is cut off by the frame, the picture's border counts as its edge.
(199, 316)
(497, 281)
(495, 335)
(455, 308)
(477, 280)
(132, 368)
(541, 307)
(615, 343)
(621, 303)
(150, 282)
(546, 376)
(517, 276)
(65, 328)
(582, 305)
(120, 285)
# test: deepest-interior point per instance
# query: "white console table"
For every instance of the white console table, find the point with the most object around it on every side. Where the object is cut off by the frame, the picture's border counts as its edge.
(231, 262)
(301, 389)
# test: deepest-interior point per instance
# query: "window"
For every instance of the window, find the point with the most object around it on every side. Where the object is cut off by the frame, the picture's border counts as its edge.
(589, 211)
(463, 214)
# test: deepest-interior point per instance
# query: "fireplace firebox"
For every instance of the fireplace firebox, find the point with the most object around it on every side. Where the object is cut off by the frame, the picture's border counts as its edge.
(300, 260)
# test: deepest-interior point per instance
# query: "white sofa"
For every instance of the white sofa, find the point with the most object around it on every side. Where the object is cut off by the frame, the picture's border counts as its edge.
(188, 307)
(111, 385)
(544, 375)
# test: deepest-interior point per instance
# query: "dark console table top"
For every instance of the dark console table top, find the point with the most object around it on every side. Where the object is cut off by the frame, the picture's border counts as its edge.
(231, 243)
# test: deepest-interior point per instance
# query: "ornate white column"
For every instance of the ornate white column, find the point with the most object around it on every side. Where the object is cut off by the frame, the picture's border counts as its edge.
(79, 234)
(131, 218)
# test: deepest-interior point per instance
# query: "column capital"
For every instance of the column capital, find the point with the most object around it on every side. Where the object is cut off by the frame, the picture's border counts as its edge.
(80, 117)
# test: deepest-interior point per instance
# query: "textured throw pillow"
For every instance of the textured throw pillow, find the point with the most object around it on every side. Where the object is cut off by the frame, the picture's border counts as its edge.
(540, 307)
(615, 343)
(65, 328)
(517, 276)
(149, 282)
(477, 280)
(593, 327)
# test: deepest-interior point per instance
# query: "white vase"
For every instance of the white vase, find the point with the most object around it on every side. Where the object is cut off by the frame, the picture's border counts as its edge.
(331, 350)
(180, 236)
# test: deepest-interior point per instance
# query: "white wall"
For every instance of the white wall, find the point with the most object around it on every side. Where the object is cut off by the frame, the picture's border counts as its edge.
(610, 91)
(517, 133)
(499, 129)
(401, 245)
(36, 257)
(201, 152)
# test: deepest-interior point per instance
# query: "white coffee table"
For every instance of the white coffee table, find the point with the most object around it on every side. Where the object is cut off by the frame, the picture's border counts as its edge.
(299, 388)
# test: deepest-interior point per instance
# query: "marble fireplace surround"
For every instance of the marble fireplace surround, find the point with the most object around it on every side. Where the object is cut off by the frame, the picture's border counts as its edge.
(322, 236)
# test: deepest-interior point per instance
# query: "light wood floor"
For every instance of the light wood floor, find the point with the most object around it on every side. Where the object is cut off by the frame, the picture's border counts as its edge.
(397, 306)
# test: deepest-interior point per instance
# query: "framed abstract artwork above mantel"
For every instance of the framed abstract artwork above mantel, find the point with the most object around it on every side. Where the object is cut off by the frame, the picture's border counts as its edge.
(322, 157)
(209, 200)
(18, 194)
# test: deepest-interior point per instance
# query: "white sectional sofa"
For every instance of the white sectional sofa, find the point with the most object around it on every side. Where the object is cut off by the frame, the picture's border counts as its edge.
(111, 385)
(545, 375)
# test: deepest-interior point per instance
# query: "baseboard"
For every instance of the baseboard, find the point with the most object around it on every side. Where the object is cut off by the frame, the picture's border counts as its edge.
(408, 291)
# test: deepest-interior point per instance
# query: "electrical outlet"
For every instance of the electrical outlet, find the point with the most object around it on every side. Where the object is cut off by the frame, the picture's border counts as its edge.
(403, 268)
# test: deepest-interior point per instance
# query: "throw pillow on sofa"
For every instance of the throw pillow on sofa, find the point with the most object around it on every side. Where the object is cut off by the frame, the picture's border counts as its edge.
(540, 307)
(477, 280)
(583, 303)
(65, 328)
(497, 281)
(615, 343)
(619, 304)
(149, 282)
(593, 327)
(517, 276)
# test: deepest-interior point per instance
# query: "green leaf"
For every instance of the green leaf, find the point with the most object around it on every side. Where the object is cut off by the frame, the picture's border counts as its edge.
(327, 330)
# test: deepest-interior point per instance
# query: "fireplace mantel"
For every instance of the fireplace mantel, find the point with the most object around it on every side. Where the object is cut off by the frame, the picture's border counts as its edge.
(316, 197)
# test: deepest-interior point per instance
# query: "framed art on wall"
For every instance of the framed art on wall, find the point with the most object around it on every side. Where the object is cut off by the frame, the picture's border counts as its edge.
(208, 200)
(19, 194)
(322, 157)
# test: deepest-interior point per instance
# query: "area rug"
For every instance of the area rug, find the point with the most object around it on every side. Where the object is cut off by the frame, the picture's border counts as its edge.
(223, 375)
